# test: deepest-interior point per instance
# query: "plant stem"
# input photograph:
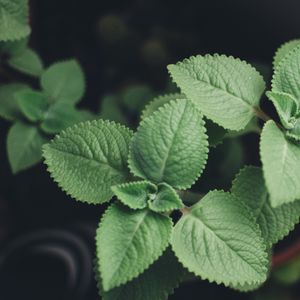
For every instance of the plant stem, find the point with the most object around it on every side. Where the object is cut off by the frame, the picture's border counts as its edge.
(286, 255)
(261, 114)
(185, 210)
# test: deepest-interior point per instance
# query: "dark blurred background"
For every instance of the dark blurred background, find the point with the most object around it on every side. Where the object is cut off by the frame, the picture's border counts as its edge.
(46, 238)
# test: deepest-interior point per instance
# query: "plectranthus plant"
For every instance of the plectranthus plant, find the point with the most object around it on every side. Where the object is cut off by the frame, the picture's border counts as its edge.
(151, 238)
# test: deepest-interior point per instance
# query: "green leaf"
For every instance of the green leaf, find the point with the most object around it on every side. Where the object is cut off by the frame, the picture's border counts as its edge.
(166, 199)
(283, 50)
(27, 62)
(225, 89)
(294, 132)
(88, 158)
(135, 194)
(128, 242)
(13, 48)
(219, 240)
(158, 102)
(280, 158)
(286, 106)
(59, 116)
(156, 283)
(24, 146)
(286, 74)
(275, 223)
(170, 146)
(9, 108)
(136, 97)
(13, 19)
(64, 81)
(33, 104)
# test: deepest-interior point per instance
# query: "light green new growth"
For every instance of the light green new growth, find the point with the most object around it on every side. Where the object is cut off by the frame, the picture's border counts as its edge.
(13, 20)
(280, 158)
(64, 81)
(158, 282)
(219, 240)
(135, 194)
(24, 146)
(275, 223)
(128, 242)
(170, 146)
(87, 159)
(225, 89)
(283, 50)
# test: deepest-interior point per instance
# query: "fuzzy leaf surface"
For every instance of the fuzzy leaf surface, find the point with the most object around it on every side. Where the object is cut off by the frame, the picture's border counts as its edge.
(219, 240)
(158, 282)
(24, 146)
(128, 242)
(275, 223)
(225, 89)
(135, 194)
(166, 199)
(170, 146)
(286, 106)
(9, 108)
(64, 81)
(287, 73)
(13, 20)
(283, 50)
(280, 158)
(27, 62)
(32, 103)
(88, 158)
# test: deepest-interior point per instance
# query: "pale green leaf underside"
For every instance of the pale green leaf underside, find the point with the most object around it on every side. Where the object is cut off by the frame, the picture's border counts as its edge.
(64, 81)
(280, 158)
(88, 158)
(287, 73)
(135, 194)
(32, 103)
(166, 199)
(286, 106)
(9, 108)
(128, 242)
(24, 146)
(219, 240)
(283, 50)
(225, 89)
(27, 62)
(156, 283)
(170, 146)
(158, 102)
(13, 20)
(275, 223)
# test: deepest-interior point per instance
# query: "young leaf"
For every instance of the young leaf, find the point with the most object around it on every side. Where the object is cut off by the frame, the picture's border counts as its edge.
(59, 116)
(158, 102)
(225, 89)
(33, 104)
(283, 50)
(64, 81)
(88, 158)
(170, 146)
(286, 74)
(280, 158)
(219, 240)
(135, 194)
(24, 146)
(295, 131)
(286, 106)
(156, 283)
(9, 108)
(166, 199)
(275, 223)
(13, 20)
(128, 242)
(27, 62)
